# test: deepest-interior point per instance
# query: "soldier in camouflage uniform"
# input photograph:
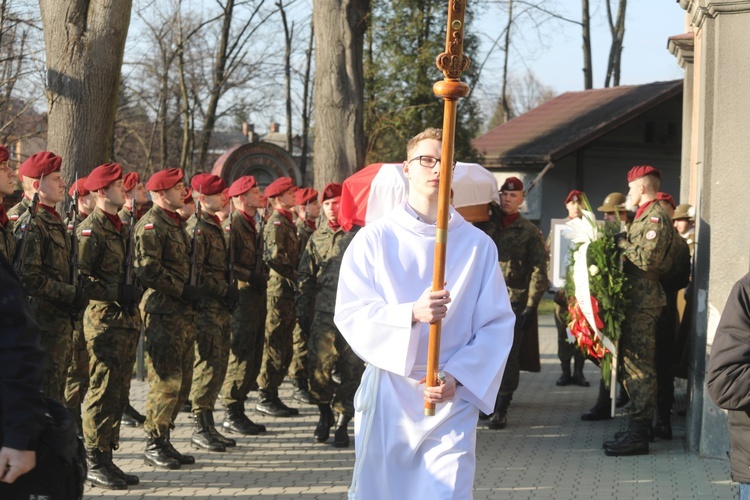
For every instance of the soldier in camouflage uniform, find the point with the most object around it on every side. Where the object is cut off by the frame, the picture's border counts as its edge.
(280, 253)
(308, 211)
(523, 259)
(248, 320)
(111, 325)
(7, 187)
(77, 381)
(646, 251)
(218, 299)
(168, 309)
(15, 212)
(46, 274)
(318, 281)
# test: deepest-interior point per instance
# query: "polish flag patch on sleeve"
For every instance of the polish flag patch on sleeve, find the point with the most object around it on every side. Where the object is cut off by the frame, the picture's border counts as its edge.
(277, 223)
(655, 220)
(149, 226)
(227, 229)
(70, 227)
(86, 232)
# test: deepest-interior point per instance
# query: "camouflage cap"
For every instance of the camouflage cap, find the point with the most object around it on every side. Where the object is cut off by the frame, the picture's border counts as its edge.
(684, 211)
(613, 201)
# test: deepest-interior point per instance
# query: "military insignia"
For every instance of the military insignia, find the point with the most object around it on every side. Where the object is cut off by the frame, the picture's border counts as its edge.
(125, 223)
(23, 227)
(70, 227)
(198, 232)
(511, 186)
(227, 229)
(651, 234)
(86, 232)
(655, 220)
(14, 217)
(149, 226)
(277, 223)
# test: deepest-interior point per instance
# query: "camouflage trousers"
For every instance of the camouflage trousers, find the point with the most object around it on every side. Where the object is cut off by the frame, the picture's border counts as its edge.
(638, 360)
(565, 350)
(246, 346)
(298, 368)
(511, 375)
(77, 381)
(277, 353)
(329, 349)
(211, 355)
(57, 349)
(170, 351)
(111, 351)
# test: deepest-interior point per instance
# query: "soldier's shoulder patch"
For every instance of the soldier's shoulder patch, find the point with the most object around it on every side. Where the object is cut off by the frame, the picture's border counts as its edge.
(86, 232)
(23, 227)
(149, 226)
(125, 223)
(651, 235)
(70, 226)
(655, 220)
(14, 217)
(227, 229)
(198, 232)
(277, 223)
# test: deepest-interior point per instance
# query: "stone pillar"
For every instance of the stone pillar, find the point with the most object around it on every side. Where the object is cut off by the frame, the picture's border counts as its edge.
(681, 46)
(720, 155)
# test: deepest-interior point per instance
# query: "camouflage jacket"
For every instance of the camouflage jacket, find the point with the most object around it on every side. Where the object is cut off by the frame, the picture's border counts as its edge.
(17, 210)
(126, 218)
(678, 275)
(523, 256)
(281, 253)
(211, 258)
(246, 241)
(8, 242)
(303, 234)
(647, 256)
(162, 261)
(101, 261)
(46, 272)
(319, 270)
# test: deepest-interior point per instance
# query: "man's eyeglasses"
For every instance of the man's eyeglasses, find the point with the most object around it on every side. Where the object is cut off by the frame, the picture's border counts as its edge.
(429, 161)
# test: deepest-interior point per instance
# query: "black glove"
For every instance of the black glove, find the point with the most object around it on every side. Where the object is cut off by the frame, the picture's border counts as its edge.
(232, 296)
(258, 281)
(128, 294)
(620, 237)
(80, 301)
(191, 294)
(527, 317)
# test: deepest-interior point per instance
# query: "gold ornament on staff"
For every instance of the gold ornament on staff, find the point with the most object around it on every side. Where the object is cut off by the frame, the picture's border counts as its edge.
(452, 63)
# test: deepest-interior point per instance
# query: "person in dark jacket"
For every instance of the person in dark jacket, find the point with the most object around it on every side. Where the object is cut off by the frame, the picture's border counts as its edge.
(729, 378)
(22, 406)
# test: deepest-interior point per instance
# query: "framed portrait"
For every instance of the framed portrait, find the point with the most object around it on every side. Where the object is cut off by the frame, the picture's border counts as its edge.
(559, 252)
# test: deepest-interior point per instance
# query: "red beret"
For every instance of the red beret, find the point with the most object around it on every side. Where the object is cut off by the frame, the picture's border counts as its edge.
(130, 180)
(643, 170)
(332, 190)
(4, 155)
(242, 185)
(305, 195)
(207, 184)
(80, 185)
(165, 179)
(574, 195)
(103, 175)
(279, 186)
(512, 184)
(40, 164)
(189, 197)
(666, 197)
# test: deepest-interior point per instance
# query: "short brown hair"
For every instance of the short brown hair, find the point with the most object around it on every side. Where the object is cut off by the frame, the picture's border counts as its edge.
(429, 133)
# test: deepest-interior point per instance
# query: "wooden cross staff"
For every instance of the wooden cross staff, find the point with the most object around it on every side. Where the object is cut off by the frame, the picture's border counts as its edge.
(452, 63)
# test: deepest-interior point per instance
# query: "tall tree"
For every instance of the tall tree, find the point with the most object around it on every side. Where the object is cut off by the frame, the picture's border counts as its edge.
(288, 38)
(84, 41)
(588, 71)
(306, 102)
(339, 148)
(617, 28)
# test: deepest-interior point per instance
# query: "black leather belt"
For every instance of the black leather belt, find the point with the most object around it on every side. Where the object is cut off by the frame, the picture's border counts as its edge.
(631, 269)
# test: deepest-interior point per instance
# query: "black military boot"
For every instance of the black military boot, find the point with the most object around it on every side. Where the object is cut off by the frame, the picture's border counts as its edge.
(663, 426)
(499, 418)
(157, 454)
(292, 411)
(130, 479)
(341, 436)
(623, 398)
(131, 417)
(301, 392)
(633, 442)
(602, 408)
(235, 420)
(565, 378)
(202, 437)
(269, 404)
(172, 452)
(187, 407)
(100, 474)
(578, 378)
(218, 436)
(325, 422)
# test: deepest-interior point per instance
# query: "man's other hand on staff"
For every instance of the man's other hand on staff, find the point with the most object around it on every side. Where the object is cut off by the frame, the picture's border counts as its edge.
(444, 391)
(431, 306)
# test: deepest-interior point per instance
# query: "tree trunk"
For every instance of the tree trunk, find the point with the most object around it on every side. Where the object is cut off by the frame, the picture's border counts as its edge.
(288, 35)
(340, 26)
(588, 78)
(617, 28)
(306, 103)
(187, 145)
(504, 95)
(84, 41)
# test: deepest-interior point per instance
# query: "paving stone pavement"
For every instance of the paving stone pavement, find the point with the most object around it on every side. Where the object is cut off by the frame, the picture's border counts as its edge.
(546, 452)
